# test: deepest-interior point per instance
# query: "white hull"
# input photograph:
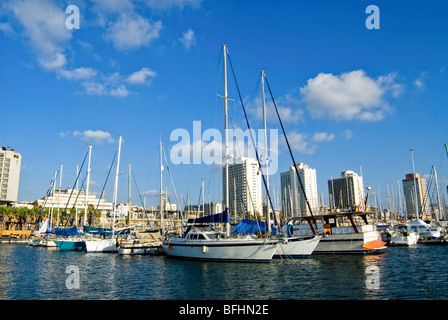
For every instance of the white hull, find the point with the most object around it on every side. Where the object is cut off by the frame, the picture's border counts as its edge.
(101, 245)
(221, 249)
(296, 247)
(350, 243)
(402, 240)
(48, 243)
(140, 250)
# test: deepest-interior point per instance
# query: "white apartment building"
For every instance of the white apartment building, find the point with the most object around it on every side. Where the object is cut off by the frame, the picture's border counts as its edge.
(293, 198)
(74, 198)
(245, 191)
(10, 162)
(414, 189)
(347, 191)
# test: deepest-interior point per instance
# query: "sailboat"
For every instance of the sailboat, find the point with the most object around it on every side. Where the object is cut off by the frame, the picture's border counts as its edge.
(107, 243)
(203, 241)
(293, 246)
(71, 239)
(138, 242)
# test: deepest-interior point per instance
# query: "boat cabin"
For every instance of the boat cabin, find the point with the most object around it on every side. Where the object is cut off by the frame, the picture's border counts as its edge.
(331, 223)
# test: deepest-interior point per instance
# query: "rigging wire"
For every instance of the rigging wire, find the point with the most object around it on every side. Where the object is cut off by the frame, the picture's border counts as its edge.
(253, 141)
(290, 152)
(74, 185)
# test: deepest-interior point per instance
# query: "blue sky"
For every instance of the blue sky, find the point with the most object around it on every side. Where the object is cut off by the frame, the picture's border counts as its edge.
(352, 98)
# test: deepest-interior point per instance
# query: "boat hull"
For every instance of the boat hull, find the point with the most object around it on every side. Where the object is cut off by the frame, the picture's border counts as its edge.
(101, 245)
(297, 247)
(409, 240)
(70, 245)
(142, 249)
(222, 250)
(354, 243)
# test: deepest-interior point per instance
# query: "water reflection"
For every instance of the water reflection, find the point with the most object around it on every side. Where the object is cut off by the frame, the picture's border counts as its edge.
(404, 273)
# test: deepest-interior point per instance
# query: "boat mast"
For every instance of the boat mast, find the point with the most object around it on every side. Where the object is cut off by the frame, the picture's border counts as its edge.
(59, 194)
(226, 138)
(87, 187)
(162, 226)
(268, 215)
(128, 219)
(438, 196)
(52, 202)
(415, 185)
(116, 187)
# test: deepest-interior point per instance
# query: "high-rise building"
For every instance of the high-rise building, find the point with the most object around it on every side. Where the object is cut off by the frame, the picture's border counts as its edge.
(10, 162)
(414, 189)
(245, 192)
(293, 198)
(347, 191)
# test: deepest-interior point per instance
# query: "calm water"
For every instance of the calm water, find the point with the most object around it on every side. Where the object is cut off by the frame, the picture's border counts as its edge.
(30, 273)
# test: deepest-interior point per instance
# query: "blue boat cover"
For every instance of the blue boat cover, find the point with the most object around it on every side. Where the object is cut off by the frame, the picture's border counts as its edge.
(67, 232)
(222, 217)
(252, 226)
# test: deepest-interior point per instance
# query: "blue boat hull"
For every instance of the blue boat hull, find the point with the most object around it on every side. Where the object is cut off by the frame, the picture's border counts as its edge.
(71, 245)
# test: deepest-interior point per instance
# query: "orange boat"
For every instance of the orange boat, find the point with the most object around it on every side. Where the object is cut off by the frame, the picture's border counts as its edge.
(375, 244)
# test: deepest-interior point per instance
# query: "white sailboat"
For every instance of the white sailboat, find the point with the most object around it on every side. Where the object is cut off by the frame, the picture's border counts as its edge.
(292, 246)
(107, 244)
(203, 242)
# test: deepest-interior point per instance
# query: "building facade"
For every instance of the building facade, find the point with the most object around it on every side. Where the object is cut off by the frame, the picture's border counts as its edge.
(346, 192)
(74, 198)
(245, 191)
(414, 189)
(10, 162)
(293, 198)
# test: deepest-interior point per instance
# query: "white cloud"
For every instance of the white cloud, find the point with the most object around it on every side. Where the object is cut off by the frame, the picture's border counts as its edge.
(167, 4)
(419, 83)
(97, 136)
(6, 28)
(320, 137)
(43, 24)
(188, 39)
(114, 6)
(132, 31)
(81, 73)
(288, 108)
(145, 75)
(120, 91)
(307, 143)
(352, 95)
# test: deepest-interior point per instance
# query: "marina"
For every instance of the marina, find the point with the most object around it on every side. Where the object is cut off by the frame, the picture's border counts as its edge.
(290, 216)
(404, 273)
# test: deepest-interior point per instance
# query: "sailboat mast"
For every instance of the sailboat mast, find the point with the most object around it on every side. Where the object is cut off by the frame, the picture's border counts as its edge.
(129, 194)
(226, 138)
(87, 187)
(52, 203)
(415, 186)
(116, 187)
(268, 215)
(438, 196)
(162, 227)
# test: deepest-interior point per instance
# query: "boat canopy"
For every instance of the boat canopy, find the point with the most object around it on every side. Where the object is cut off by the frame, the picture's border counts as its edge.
(222, 217)
(67, 232)
(252, 226)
